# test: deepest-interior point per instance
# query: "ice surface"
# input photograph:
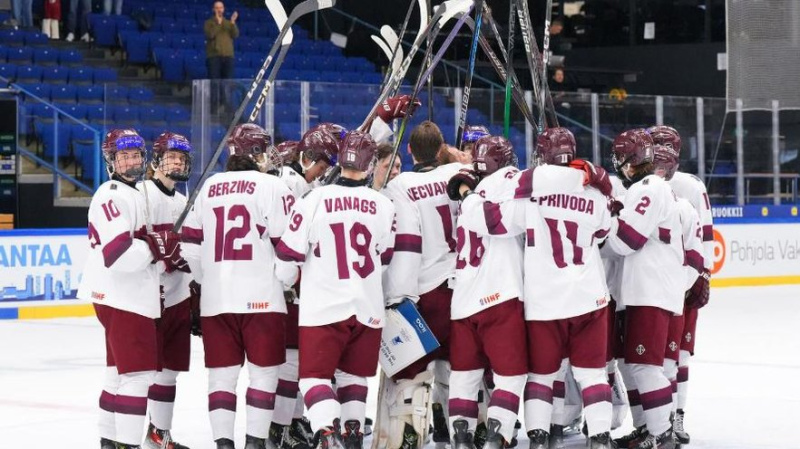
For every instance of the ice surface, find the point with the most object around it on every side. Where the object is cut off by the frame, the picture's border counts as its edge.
(743, 385)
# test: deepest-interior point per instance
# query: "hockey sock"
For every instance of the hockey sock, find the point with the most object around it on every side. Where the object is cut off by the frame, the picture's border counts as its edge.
(323, 406)
(106, 424)
(441, 385)
(222, 400)
(596, 395)
(683, 379)
(130, 406)
(671, 373)
(504, 403)
(633, 393)
(655, 394)
(260, 399)
(161, 399)
(287, 391)
(352, 393)
(539, 401)
(463, 401)
(559, 416)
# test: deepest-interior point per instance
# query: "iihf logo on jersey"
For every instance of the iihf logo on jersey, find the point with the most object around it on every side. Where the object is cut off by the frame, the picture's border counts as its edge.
(374, 321)
(640, 349)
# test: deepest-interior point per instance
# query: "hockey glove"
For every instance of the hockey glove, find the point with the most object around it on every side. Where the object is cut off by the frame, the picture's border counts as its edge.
(615, 207)
(593, 176)
(467, 177)
(697, 295)
(396, 107)
(194, 312)
(175, 261)
(160, 243)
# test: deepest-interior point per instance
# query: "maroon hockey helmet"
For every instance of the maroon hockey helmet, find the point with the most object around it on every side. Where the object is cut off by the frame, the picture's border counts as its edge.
(666, 135)
(177, 169)
(358, 151)
(123, 140)
(634, 147)
(287, 150)
(318, 144)
(555, 146)
(665, 160)
(251, 140)
(491, 153)
(337, 131)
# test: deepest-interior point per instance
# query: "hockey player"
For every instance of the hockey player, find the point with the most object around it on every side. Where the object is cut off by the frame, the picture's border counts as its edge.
(341, 235)
(692, 189)
(289, 428)
(472, 134)
(648, 233)
(382, 170)
(423, 266)
(487, 313)
(229, 236)
(121, 277)
(171, 163)
(287, 150)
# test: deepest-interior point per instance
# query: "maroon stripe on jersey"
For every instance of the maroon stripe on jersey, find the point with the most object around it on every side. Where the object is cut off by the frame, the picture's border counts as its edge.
(494, 218)
(463, 407)
(161, 393)
(287, 388)
(630, 236)
(317, 394)
(664, 235)
(525, 185)
(261, 230)
(596, 393)
(633, 398)
(601, 234)
(409, 243)
(657, 398)
(274, 241)
(260, 399)
(674, 386)
(107, 401)
(530, 239)
(191, 235)
(535, 391)
(694, 260)
(287, 254)
(683, 374)
(559, 389)
(163, 227)
(708, 233)
(116, 248)
(386, 257)
(221, 400)
(505, 400)
(352, 393)
(130, 405)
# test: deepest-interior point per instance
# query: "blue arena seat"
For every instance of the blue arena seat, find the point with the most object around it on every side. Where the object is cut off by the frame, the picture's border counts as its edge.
(35, 39)
(8, 71)
(29, 74)
(54, 135)
(19, 55)
(140, 95)
(95, 113)
(137, 48)
(81, 75)
(76, 110)
(178, 114)
(90, 94)
(153, 114)
(123, 114)
(40, 90)
(45, 56)
(64, 93)
(172, 67)
(12, 37)
(104, 30)
(116, 94)
(70, 57)
(55, 75)
(102, 75)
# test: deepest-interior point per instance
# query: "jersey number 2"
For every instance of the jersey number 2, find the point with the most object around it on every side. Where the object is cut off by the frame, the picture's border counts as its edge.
(225, 242)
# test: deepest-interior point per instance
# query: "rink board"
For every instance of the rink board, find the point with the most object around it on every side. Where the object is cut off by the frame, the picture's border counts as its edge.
(40, 268)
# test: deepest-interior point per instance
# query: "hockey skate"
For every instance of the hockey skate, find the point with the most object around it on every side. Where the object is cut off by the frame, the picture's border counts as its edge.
(329, 437)
(105, 443)
(462, 438)
(276, 432)
(224, 443)
(601, 441)
(160, 439)
(301, 428)
(294, 437)
(631, 439)
(480, 435)
(677, 426)
(513, 443)
(665, 440)
(367, 427)
(127, 446)
(440, 432)
(556, 436)
(353, 438)
(539, 439)
(493, 438)
(252, 442)
(410, 437)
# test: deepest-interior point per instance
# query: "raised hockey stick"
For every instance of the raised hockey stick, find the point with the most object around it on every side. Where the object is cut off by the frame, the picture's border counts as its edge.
(509, 69)
(462, 116)
(543, 100)
(397, 49)
(307, 7)
(548, 15)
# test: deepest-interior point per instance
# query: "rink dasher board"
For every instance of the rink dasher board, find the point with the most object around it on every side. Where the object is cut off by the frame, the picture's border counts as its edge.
(753, 246)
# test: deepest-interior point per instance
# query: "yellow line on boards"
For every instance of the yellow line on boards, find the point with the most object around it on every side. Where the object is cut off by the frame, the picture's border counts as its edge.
(70, 311)
(755, 281)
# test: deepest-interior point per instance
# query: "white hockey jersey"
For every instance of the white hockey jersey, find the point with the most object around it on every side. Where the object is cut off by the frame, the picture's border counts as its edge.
(648, 233)
(692, 242)
(342, 236)
(425, 246)
(228, 240)
(164, 208)
(612, 262)
(119, 270)
(488, 269)
(692, 189)
(295, 181)
(562, 222)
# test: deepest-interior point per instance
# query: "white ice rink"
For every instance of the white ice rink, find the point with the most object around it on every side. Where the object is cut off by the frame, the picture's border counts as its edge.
(743, 385)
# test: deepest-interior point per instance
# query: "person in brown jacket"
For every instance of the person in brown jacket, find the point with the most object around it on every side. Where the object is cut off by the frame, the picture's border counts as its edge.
(220, 34)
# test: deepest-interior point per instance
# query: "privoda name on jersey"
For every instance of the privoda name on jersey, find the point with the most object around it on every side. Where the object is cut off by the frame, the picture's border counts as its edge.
(564, 201)
(417, 193)
(347, 203)
(231, 187)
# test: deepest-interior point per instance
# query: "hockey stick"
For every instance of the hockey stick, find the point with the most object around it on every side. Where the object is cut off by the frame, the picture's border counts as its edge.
(544, 100)
(462, 116)
(428, 13)
(397, 48)
(307, 7)
(421, 78)
(509, 69)
(444, 12)
(548, 15)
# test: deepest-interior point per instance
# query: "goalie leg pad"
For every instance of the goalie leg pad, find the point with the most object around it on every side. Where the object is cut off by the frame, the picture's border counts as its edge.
(401, 403)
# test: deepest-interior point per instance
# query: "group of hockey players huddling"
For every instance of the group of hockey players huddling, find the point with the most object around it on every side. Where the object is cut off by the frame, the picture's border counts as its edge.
(541, 285)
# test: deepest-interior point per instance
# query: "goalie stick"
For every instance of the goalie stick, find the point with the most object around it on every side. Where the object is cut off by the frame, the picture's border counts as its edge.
(473, 53)
(307, 7)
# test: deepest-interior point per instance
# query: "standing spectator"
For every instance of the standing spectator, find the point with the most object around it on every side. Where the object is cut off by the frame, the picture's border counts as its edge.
(52, 17)
(72, 20)
(22, 10)
(220, 34)
(117, 7)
